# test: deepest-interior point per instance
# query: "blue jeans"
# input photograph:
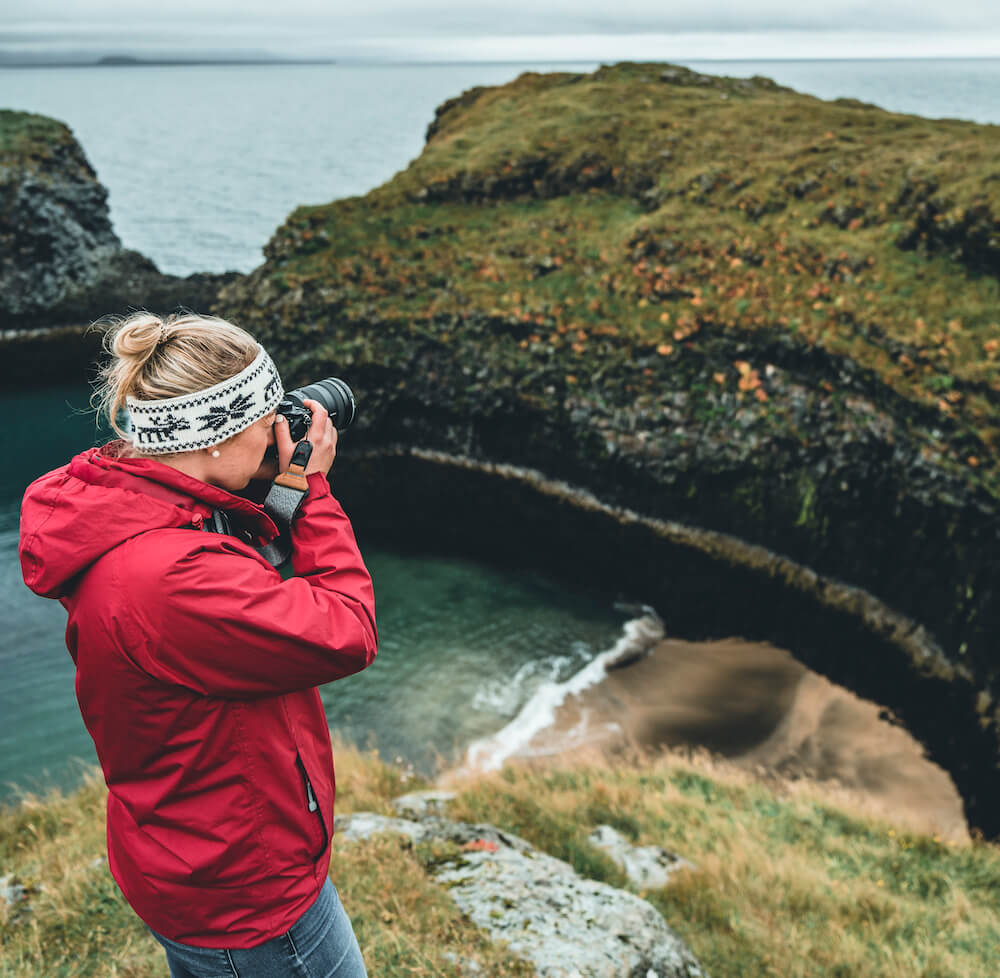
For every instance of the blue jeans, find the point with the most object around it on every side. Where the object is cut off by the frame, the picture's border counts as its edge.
(321, 944)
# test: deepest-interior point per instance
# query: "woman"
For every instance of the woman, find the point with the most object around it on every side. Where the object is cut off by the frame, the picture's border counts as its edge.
(197, 665)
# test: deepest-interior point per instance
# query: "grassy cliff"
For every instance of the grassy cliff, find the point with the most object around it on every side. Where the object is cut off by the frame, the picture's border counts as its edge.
(788, 882)
(61, 263)
(711, 301)
(634, 213)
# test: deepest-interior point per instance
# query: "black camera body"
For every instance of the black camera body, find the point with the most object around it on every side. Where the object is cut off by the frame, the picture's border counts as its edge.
(332, 393)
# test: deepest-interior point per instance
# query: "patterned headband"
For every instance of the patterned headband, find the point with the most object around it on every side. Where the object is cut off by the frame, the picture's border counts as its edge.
(209, 416)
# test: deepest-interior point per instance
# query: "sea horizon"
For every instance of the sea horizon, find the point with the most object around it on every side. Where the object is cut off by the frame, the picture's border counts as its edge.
(132, 61)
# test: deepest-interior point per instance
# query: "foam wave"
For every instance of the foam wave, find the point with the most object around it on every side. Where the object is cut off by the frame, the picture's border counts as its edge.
(539, 712)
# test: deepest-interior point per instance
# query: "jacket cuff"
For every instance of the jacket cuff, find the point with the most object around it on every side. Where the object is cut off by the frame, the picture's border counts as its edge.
(319, 485)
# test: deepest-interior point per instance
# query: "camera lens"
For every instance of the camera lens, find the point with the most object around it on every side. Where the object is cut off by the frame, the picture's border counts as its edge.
(335, 396)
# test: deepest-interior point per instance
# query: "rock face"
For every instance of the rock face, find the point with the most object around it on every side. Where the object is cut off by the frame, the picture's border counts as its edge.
(60, 260)
(55, 231)
(566, 926)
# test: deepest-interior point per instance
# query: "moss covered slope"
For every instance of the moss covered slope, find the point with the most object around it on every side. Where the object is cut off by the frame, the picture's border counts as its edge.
(705, 203)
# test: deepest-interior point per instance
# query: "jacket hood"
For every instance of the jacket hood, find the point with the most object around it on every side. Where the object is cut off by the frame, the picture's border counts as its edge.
(74, 515)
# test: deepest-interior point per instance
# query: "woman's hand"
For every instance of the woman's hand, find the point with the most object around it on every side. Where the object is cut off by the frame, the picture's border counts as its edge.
(321, 435)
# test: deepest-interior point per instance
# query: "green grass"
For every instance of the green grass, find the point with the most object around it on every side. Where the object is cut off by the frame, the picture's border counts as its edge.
(788, 880)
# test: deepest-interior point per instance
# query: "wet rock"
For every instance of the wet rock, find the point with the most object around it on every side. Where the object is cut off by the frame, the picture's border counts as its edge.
(646, 632)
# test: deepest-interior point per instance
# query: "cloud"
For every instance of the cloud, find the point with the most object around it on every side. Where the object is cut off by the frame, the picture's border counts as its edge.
(515, 30)
(387, 17)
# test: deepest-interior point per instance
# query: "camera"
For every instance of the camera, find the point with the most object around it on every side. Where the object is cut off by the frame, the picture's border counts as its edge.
(332, 393)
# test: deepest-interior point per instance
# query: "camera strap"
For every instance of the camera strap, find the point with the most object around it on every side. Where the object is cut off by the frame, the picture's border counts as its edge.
(282, 503)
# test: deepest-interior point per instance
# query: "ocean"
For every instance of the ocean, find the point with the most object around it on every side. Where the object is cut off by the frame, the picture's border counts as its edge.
(202, 164)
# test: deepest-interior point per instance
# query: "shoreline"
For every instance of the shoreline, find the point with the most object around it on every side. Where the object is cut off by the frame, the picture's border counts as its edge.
(754, 707)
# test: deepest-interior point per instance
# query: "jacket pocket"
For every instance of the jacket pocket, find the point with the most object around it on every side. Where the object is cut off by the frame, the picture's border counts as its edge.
(320, 835)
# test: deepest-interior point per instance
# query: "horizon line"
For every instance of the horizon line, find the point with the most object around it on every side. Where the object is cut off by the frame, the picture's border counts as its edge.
(353, 61)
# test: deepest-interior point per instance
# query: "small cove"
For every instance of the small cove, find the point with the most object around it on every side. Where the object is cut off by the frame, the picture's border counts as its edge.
(466, 641)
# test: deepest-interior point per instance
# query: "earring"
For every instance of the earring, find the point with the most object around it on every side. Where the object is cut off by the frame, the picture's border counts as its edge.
(216, 453)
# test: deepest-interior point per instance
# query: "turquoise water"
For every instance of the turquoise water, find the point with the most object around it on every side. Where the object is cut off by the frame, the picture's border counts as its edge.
(463, 645)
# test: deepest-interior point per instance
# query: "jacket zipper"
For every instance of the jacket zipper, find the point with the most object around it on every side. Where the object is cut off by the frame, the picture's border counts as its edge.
(312, 805)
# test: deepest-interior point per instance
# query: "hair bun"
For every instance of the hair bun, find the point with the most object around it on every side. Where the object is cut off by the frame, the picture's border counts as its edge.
(203, 351)
(138, 337)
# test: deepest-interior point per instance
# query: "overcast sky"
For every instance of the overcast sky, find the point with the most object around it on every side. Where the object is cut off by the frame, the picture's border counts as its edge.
(512, 28)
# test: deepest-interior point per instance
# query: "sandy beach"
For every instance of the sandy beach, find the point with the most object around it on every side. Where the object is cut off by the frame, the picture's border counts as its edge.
(759, 708)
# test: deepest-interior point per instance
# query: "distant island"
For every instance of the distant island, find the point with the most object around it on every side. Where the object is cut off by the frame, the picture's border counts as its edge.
(130, 61)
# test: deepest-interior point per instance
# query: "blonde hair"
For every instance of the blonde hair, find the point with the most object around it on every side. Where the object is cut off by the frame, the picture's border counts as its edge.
(152, 358)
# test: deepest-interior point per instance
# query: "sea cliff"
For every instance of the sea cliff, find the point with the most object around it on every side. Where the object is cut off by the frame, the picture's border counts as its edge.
(726, 347)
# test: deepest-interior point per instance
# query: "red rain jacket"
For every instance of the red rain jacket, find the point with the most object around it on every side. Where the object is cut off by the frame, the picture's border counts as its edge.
(196, 674)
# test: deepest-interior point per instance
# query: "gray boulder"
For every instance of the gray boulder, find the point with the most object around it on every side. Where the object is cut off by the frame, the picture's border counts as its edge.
(566, 926)
(420, 804)
(363, 825)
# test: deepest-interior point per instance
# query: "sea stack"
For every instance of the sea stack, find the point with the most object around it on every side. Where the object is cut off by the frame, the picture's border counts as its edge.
(61, 262)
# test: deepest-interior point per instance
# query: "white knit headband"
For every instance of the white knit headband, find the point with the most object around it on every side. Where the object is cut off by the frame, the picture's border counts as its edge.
(209, 416)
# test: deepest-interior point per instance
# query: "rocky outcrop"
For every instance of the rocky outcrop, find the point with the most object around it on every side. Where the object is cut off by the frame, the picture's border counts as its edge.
(60, 259)
(566, 926)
